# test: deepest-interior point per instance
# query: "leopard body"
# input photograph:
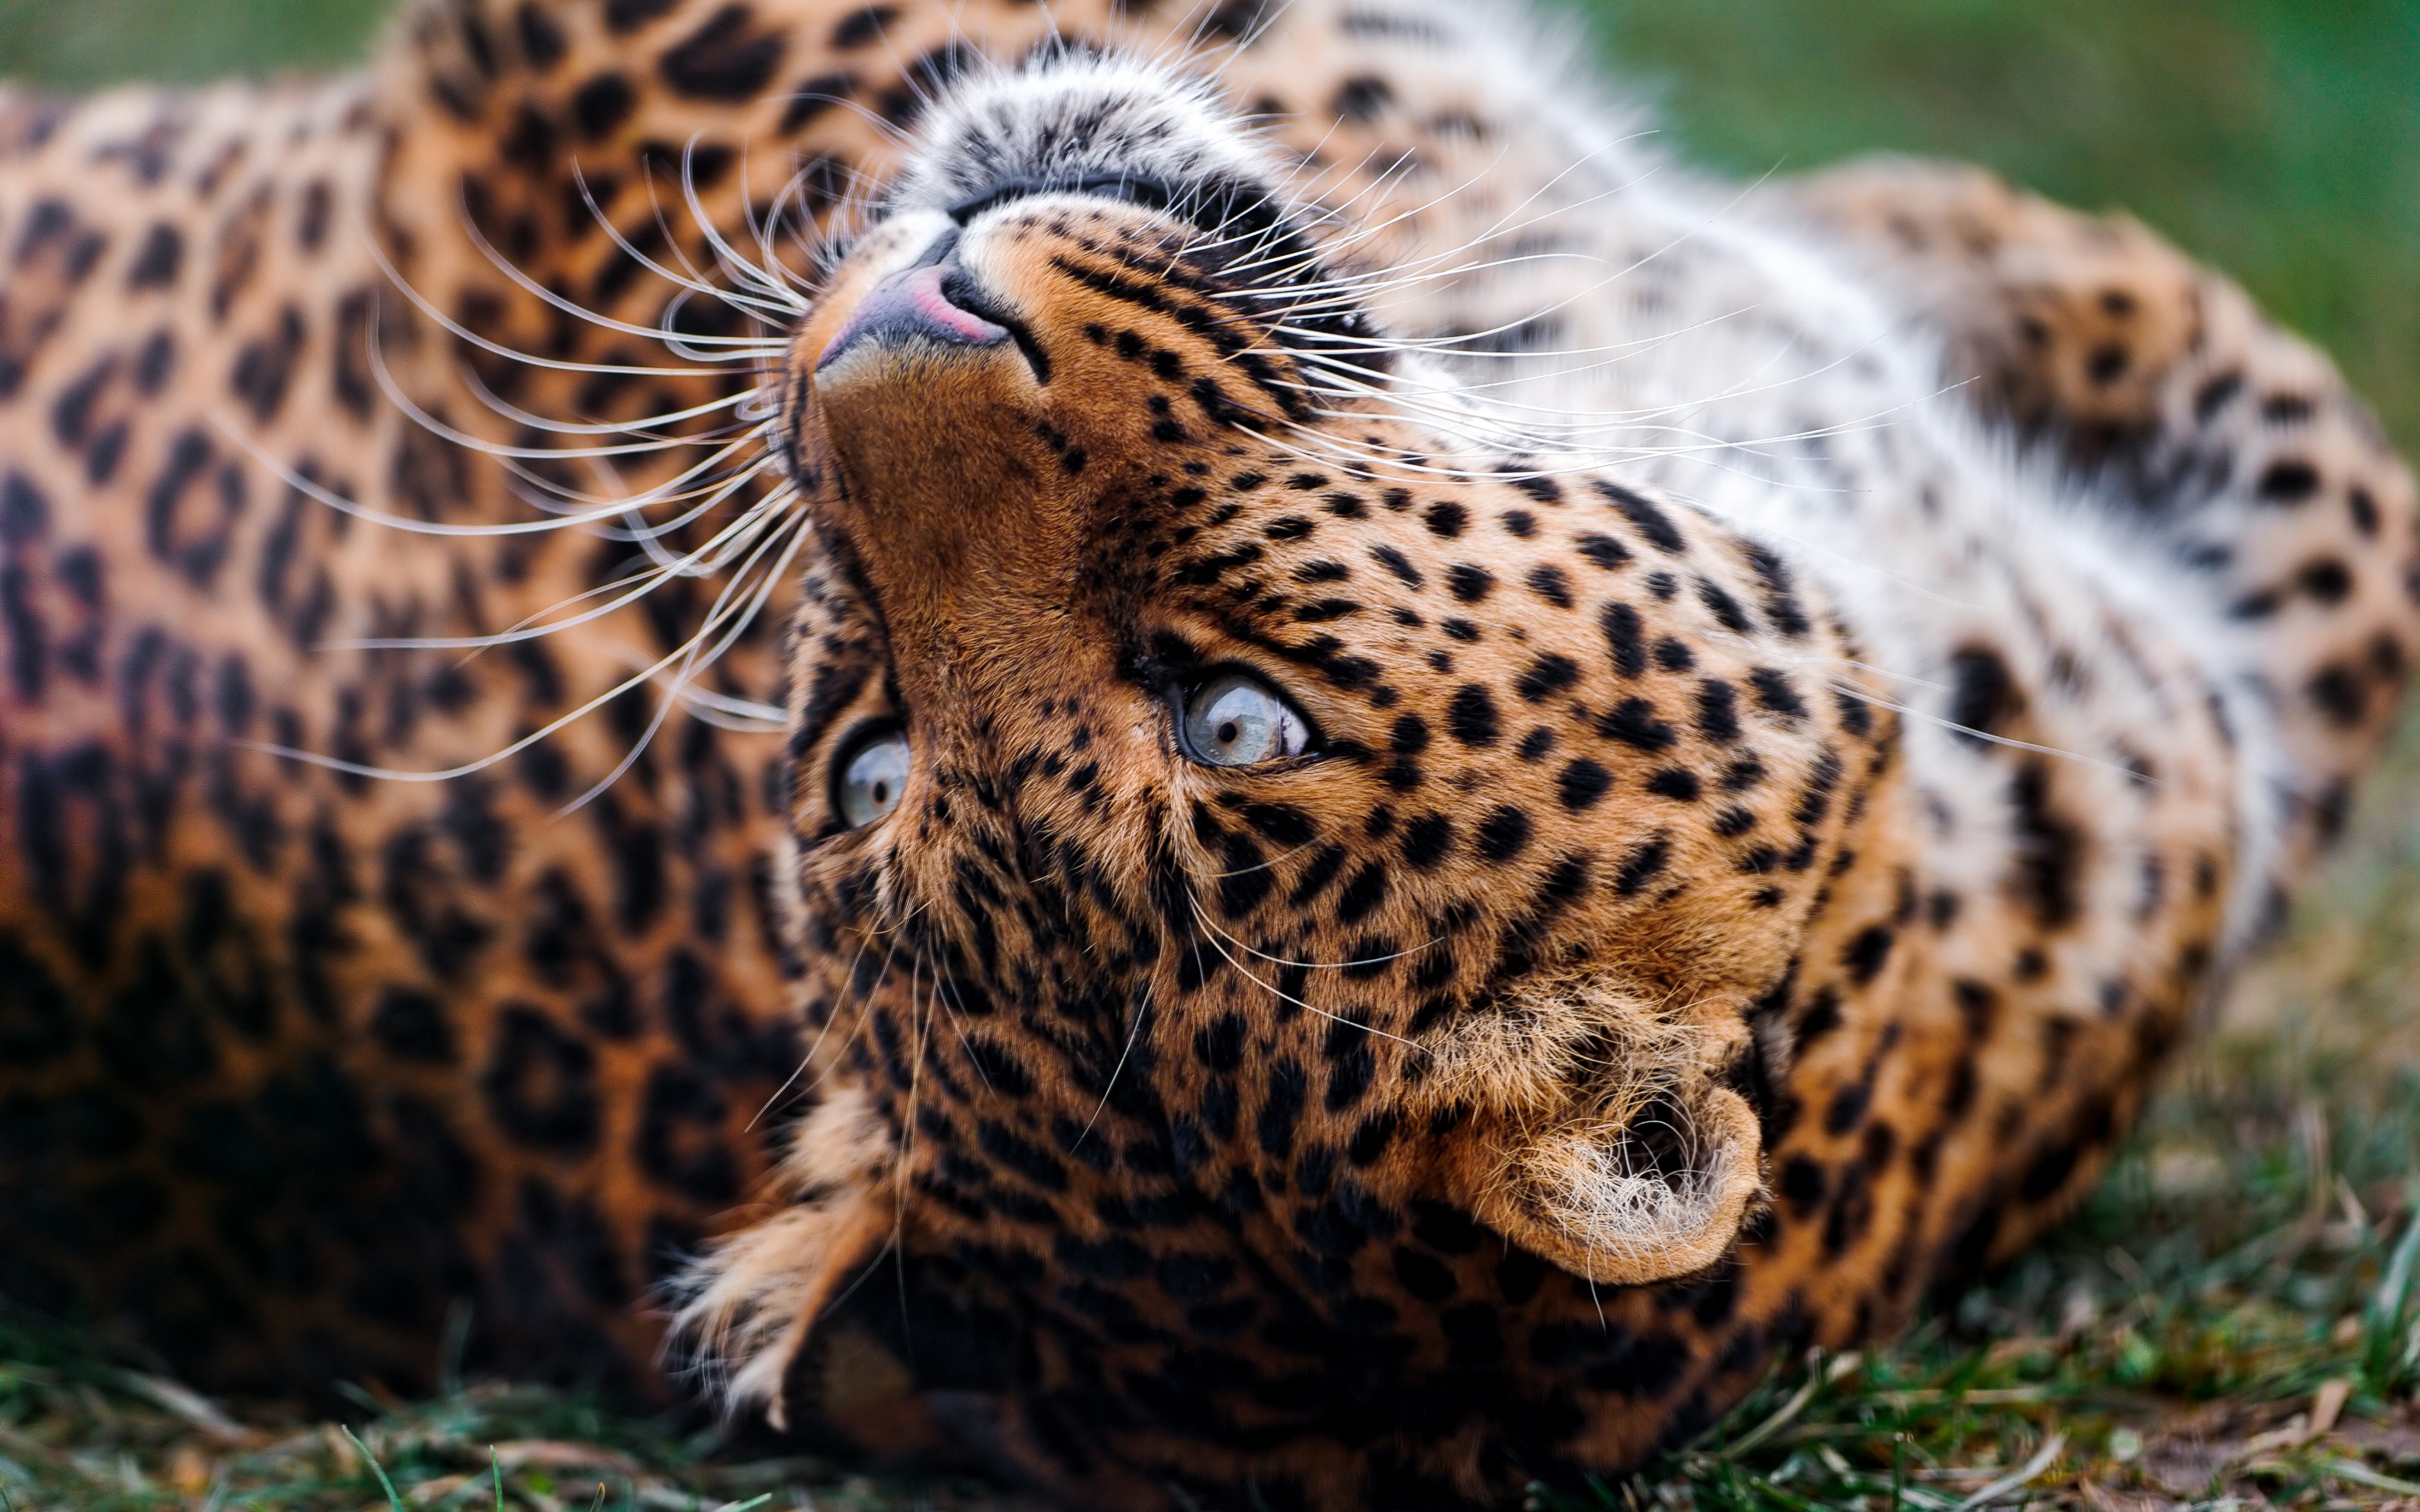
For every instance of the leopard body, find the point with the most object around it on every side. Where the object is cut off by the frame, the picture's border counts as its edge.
(1814, 686)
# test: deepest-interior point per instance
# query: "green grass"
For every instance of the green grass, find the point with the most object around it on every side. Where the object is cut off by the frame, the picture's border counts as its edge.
(2240, 1258)
(79, 1429)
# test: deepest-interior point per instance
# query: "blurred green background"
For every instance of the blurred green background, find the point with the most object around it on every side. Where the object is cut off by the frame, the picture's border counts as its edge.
(2279, 139)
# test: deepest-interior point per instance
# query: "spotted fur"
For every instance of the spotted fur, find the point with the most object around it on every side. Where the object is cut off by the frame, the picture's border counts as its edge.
(1777, 798)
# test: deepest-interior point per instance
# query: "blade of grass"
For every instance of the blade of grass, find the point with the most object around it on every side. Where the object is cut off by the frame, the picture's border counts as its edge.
(2361, 1475)
(2387, 1357)
(2017, 1482)
(1790, 1411)
(394, 1502)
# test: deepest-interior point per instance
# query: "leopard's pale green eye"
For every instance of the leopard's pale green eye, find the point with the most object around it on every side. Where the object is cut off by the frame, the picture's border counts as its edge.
(1238, 720)
(872, 777)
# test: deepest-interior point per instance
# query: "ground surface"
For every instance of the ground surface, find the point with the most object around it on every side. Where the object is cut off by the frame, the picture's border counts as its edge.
(2235, 1321)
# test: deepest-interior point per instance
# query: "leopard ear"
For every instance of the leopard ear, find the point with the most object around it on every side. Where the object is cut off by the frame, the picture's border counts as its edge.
(1659, 1198)
(1599, 1128)
(750, 1304)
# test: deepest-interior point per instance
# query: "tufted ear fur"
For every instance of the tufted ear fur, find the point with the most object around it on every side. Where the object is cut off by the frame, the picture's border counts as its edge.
(752, 1301)
(1601, 1134)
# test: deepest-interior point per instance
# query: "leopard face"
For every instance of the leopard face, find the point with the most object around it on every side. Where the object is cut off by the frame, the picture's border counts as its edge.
(1280, 879)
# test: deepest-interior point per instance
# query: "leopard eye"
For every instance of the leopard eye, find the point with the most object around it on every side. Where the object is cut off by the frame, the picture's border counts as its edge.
(872, 776)
(1238, 720)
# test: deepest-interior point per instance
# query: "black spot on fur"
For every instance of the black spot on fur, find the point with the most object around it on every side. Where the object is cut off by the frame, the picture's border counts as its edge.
(1551, 584)
(1551, 673)
(1675, 783)
(1400, 565)
(681, 1143)
(1472, 716)
(1603, 550)
(1584, 784)
(413, 1026)
(1634, 723)
(2051, 850)
(860, 27)
(266, 365)
(623, 17)
(1718, 712)
(2363, 507)
(1426, 841)
(1778, 695)
(1641, 866)
(1866, 955)
(1983, 694)
(1281, 1109)
(813, 98)
(2339, 693)
(1468, 583)
(722, 60)
(2289, 482)
(1652, 522)
(540, 1084)
(542, 40)
(1625, 636)
(1725, 608)
(158, 259)
(1504, 833)
(1361, 97)
(603, 104)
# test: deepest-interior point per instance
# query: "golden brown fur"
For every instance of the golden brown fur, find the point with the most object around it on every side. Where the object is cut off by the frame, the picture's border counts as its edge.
(1619, 1001)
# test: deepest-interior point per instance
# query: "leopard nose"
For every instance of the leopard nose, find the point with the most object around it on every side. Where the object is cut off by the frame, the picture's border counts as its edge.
(913, 308)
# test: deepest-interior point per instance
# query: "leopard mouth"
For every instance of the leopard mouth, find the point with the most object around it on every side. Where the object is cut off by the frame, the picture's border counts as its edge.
(1245, 242)
(935, 307)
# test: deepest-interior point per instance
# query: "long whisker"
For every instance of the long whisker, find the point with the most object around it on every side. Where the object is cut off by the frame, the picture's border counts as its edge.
(1134, 1033)
(1201, 916)
(513, 412)
(310, 489)
(747, 345)
(711, 558)
(798, 534)
(1336, 966)
(420, 417)
(465, 769)
(1990, 738)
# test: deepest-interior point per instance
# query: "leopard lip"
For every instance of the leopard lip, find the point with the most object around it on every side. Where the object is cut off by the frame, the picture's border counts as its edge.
(960, 287)
(913, 307)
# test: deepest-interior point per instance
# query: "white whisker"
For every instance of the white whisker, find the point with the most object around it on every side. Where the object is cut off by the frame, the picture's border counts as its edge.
(1217, 935)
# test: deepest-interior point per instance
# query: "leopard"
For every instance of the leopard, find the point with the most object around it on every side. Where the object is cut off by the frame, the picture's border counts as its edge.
(1211, 751)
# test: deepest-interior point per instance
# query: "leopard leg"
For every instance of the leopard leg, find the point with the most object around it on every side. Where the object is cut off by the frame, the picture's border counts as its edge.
(2162, 388)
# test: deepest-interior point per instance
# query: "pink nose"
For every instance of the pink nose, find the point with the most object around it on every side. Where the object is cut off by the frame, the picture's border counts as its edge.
(911, 305)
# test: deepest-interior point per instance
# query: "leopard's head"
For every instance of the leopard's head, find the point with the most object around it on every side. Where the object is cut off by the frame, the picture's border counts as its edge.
(1250, 841)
